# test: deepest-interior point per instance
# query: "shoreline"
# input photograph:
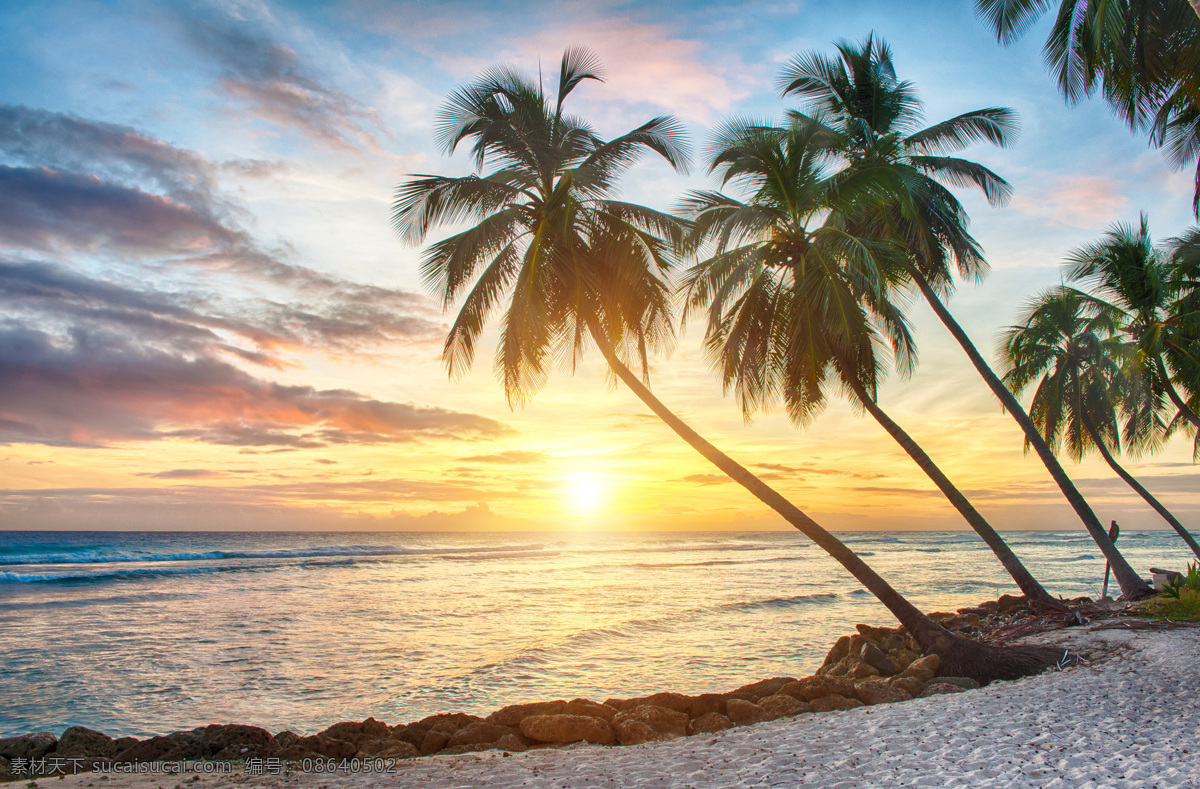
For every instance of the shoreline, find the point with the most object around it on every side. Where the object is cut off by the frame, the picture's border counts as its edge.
(867, 672)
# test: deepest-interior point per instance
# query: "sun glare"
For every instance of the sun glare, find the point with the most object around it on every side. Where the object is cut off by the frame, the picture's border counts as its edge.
(585, 493)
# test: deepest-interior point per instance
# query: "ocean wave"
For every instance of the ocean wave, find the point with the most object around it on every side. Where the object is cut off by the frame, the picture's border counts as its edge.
(1087, 557)
(781, 602)
(96, 557)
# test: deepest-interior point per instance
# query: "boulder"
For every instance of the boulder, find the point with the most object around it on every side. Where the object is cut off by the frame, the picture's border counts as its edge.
(286, 739)
(357, 733)
(79, 741)
(325, 746)
(414, 733)
(151, 750)
(587, 707)
(742, 712)
(862, 670)
(387, 748)
(875, 692)
(912, 685)
(511, 742)
(966, 683)
(875, 634)
(620, 705)
(706, 703)
(991, 606)
(781, 705)
(672, 701)
(664, 721)
(562, 729)
(1008, 603)
(938, 688)
(834, 701)
(757, 690)
(513, 714)
(874, 656)
(904, 657)
(437, 738)
(710, 723)
(923, 668)
(479, 732)
(28, 746)
(631, 731)
(840, 649)
(235, 741)
(811, 688)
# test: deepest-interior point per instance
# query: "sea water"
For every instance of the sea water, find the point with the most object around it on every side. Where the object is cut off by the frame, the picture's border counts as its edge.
(145, 633)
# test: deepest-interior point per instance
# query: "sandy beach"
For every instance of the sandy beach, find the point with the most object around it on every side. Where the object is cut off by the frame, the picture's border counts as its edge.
(1125, 719)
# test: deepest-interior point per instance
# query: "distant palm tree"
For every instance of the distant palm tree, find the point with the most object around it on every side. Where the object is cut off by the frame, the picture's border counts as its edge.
(575, 266)
(1070, 344)
(875, 119)
(1144, 56)
(1125, 269)
(796, 301)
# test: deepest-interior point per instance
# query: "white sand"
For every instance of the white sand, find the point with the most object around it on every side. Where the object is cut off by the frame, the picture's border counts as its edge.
(1131, 719)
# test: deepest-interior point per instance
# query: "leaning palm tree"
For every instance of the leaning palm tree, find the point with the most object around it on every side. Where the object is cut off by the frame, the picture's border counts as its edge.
(577, 266)
(1070, 344)
(796, 301)
(876, 120)
(1143, 56)
(1126, 269)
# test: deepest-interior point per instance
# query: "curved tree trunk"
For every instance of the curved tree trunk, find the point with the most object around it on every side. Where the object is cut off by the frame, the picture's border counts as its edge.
(1195, 4)
(1027, 583)
(1133, 483)
(958, 655)
(1188, 413)
(1133, 586)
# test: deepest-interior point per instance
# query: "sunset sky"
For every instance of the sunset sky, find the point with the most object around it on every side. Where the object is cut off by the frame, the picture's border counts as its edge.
(208, 323)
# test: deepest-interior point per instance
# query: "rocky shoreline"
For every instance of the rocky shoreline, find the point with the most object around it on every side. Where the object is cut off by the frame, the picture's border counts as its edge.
(876, 665)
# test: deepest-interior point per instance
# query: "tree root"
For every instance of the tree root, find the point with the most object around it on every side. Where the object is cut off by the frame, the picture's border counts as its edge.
(984, 663)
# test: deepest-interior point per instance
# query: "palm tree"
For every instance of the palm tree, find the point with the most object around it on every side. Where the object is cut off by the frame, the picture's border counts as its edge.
(576, 266)
(1143, 55)
(1125, 269)
(796, 301)
(1071, 342)
(876, 119)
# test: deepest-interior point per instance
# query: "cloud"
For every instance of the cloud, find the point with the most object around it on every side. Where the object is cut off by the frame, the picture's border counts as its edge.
(93, 388)
(509, 456)
(184, 473)
(707, 479)
(270, 80)
(1083, 201)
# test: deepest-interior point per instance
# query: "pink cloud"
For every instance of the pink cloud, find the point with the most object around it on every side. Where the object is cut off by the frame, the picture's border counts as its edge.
(1084, 201)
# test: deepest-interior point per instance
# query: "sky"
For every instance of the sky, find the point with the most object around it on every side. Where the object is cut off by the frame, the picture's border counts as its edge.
(207, 321)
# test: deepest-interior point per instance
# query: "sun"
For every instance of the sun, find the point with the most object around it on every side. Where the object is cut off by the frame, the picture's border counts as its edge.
(586, 493)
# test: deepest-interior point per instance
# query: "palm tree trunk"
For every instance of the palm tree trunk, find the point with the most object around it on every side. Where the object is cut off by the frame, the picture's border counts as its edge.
(971, 658)
(1133, 483)
(1027, 583)
(1188, 413)
(1195, 4)
(1133, 586)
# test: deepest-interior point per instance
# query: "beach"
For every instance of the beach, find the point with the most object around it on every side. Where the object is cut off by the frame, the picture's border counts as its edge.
(1124, 718)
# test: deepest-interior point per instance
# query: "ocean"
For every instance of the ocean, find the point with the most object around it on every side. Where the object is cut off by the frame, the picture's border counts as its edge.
(146, 633)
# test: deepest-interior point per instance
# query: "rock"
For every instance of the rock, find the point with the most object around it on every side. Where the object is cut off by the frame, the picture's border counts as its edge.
(587, 707)
(941, 616)
(938, 688)
(977, 610)
(286, 739)
(325, 746)
(79, 741)
(563, 729)
(1008, 603)
(742, 712)
(150, 750)
(706, 703)
(467, 748)
(630, 731)
(414, 733)
(904, 657)
(28, 746)
(991, 606)
(841, 648)
(757, 690)
(357, 733)
(834, 701)
(294, 753)
(387, 748)
(876, 634)
(664, 721)
(437, 738)
(510, 742)
(862, 670)
(923, 668)
(710, 723)
(811, 688)
(513, 714)
(620, 705)
(781, 705)
(912, 685)
(875, 692)
(479, 732)
(966, 683)
(235, 741)
(874, 656)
